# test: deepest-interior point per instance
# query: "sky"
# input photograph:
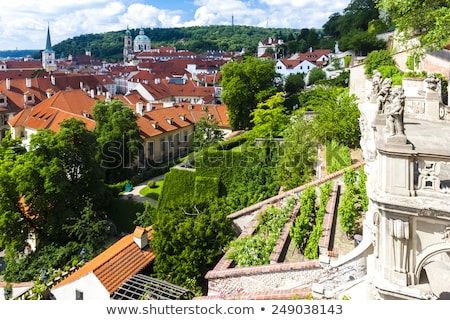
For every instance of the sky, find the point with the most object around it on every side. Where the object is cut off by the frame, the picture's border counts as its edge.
(23, 23)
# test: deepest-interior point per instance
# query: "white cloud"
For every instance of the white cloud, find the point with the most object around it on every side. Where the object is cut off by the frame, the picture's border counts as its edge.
(24, 22)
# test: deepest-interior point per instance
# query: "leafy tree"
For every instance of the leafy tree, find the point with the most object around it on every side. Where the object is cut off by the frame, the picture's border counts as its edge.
(361, 41)
(207, 132)
(245, 83)
(61, 166)
(118, 135)
(294, 83)
(270, 118)
(427, 19)
(298, 153)
(337, 115)
(188, 241)
(376, 59)
(315, 75)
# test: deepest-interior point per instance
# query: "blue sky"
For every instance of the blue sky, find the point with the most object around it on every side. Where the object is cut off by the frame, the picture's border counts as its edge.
(23, 23)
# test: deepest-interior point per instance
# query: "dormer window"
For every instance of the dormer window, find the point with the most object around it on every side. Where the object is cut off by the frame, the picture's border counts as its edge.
(28, 97)
(3, 100)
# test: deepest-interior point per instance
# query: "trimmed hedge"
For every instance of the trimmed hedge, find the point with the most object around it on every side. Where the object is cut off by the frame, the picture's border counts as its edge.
(178, 187)
(206, 187)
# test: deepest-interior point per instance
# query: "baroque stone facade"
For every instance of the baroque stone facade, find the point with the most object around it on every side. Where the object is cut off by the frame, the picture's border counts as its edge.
(407, 154)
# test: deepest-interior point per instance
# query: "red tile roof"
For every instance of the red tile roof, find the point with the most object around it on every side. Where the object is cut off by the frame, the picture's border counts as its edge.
(49, 113)
(116, 264)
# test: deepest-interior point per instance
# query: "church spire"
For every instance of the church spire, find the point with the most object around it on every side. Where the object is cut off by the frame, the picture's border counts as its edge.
(48, 46)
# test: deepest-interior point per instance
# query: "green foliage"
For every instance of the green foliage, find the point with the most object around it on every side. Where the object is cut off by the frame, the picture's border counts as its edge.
(21, 268)
(376, 59)
(361, 41)
(145, 217)
(362, 189)
(245, 83)
(122, 212)
(294, 83)
(253, 177)
(392, 72)
(207, 132)
(206, 188)
(302, 226)
(315, 75)
(412, 61)
(178, 187)
(312, 246)
(118, 135)
(188, 240)
(153, 192)
(298, 153)
(337, 114)
(270, 118)
(348, 211)
(347, 60)
(255, 249)
(425, 19)
(337, 156)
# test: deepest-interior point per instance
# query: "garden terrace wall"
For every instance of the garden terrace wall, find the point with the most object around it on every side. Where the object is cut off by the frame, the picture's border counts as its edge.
(278, 279)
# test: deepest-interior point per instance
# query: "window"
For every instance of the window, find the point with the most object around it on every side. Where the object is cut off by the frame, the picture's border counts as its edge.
(78, 295)
(185, 138)
(177, 138)
(163, 145)
(151, 148)
(170, 141)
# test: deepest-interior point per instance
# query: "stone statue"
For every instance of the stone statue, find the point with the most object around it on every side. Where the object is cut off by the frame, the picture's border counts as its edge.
(383, 95)
(376, 85)
(431, 82)
(395, 111)
(399, 231)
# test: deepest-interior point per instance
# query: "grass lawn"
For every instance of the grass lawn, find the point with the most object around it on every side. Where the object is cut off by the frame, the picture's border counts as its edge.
(123, 212)
(153, 193)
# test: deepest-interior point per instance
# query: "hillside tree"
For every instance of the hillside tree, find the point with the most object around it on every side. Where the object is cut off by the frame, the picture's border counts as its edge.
(246, 83)
(426, 19)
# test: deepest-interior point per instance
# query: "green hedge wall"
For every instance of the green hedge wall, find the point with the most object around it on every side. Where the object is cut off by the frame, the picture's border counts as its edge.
(178, 187)
(206, 187)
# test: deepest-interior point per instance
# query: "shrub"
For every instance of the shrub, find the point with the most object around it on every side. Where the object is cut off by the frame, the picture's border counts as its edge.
(376, 59)
(151, 184)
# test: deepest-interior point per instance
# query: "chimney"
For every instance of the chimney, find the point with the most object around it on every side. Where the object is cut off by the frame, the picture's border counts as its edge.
(140, 108)
(53, 80)
(49, 93)
(108, 96)
(140, 237)
(81, 85)
(8, 84)
(149, 107)
(92, 93)
(28, 82)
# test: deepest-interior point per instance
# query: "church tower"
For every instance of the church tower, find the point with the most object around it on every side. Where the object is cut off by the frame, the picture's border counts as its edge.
(142, 42)
(48, 55)
(127, 46)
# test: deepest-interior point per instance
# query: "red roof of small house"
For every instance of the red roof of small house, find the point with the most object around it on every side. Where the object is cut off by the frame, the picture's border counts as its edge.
(116, 264)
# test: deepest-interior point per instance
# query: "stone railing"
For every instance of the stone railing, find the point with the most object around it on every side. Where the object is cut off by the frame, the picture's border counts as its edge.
(432, 176)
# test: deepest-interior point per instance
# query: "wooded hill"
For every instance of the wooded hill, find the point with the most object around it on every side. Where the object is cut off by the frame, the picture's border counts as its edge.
(109, 46)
